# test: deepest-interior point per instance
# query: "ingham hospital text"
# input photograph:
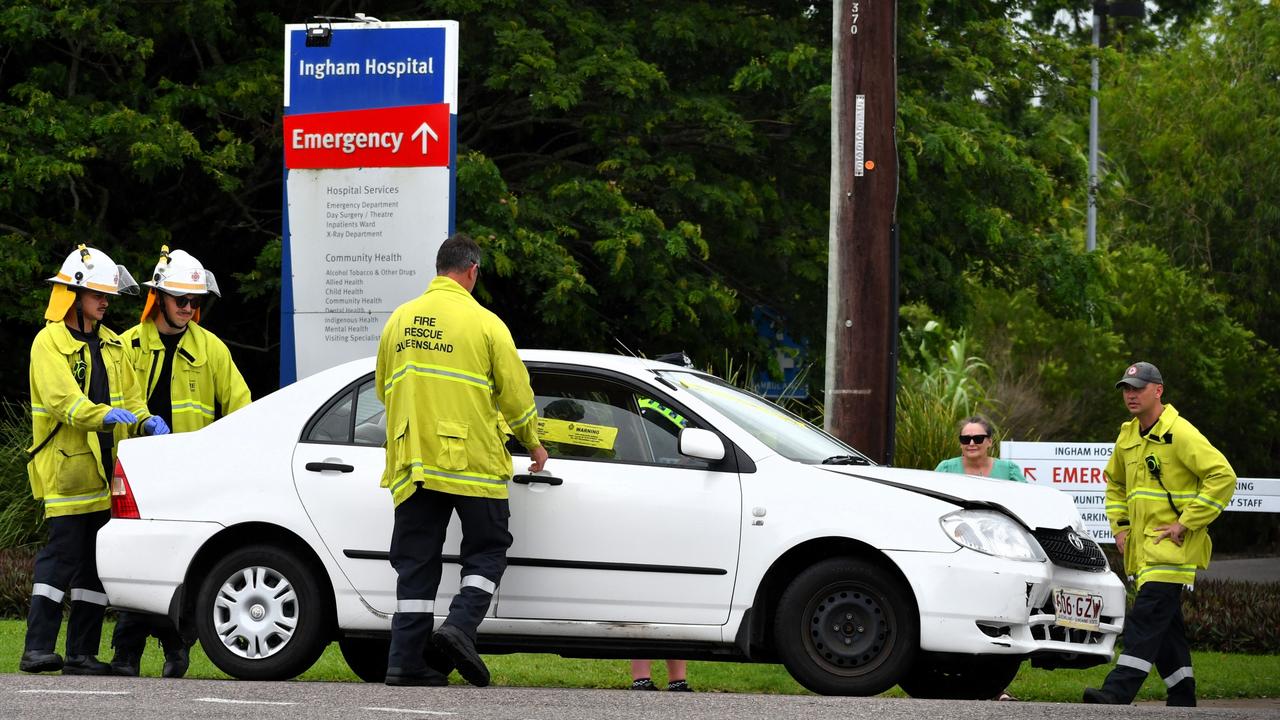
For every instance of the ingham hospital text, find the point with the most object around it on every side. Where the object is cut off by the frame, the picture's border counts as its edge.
(371, 66)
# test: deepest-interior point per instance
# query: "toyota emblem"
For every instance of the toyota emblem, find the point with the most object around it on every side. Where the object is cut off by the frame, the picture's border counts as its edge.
(1075, 541)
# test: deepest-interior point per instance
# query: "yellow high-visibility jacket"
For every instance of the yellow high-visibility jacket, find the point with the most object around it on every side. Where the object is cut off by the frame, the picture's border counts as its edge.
(449, 376)
(1197, 481)
(204, 382)
(67, 473)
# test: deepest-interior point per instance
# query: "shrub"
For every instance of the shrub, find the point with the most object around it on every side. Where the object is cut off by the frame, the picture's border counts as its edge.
(16, 566)
(21, 517)
(1233, 616)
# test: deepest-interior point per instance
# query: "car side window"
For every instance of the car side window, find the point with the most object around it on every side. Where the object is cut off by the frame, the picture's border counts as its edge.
(371, 417)
(334, 426)
(355, 417)
(595, 418)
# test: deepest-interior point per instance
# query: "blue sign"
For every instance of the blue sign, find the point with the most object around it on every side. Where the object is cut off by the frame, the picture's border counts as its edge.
(374, 68)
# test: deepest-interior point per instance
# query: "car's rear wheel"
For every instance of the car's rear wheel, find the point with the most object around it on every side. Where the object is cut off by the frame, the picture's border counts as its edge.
(960, 678)
(367, 657)
(846, 626)
(260, 614)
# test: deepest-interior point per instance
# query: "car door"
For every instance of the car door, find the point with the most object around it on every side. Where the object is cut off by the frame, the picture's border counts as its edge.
(631, 531)
(337, 467)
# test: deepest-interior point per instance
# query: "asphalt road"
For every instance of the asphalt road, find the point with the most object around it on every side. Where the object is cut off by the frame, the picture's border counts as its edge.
(50, 697)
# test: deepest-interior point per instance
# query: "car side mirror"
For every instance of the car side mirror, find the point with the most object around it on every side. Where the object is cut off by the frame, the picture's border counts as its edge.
(701, 444)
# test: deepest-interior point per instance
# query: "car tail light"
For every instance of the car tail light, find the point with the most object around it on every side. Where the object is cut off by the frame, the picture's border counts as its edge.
(123, 506)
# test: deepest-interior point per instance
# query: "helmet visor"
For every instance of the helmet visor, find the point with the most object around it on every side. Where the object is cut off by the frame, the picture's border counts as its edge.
(211, 283)
(126, 285)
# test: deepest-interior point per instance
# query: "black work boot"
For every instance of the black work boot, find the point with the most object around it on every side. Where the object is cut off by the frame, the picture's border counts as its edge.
(1094, 696)
(462, 650)
(128, 664)
(423, 678)
(85, 665)
(176, 661)
(38, 661)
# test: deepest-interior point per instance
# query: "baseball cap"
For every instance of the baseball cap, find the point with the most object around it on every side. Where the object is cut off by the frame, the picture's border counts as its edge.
(1140, 374)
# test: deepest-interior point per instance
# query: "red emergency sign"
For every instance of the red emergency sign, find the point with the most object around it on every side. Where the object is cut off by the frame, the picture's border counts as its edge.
(410, 136)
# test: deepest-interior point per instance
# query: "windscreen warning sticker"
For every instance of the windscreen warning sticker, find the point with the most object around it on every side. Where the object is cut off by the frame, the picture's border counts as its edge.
(577, 433)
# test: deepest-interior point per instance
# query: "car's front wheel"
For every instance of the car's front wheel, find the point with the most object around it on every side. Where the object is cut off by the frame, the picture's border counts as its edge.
(967, 678)
(846, 626)
(260, 614)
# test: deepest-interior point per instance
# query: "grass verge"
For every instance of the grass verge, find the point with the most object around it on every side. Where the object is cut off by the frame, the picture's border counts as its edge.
(1218, 675)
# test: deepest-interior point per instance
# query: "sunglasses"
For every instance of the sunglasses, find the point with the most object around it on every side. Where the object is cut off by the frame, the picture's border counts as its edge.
(184, 300)
(973, 439)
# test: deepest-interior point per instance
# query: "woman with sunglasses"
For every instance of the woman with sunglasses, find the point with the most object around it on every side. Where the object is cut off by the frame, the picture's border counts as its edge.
(976, 435)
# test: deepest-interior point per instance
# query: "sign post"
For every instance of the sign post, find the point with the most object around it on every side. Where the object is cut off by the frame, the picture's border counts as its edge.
(370, 171)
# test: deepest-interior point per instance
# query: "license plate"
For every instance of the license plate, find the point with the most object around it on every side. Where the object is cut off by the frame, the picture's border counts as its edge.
(1077, 609)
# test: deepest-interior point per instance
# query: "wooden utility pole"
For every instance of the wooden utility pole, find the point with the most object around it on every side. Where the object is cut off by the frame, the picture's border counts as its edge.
(862, 285)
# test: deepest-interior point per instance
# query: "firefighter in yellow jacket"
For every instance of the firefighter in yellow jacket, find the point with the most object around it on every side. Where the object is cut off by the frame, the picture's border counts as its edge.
(1165, 484)
(188, 378)
(452, 383)
(83, 400)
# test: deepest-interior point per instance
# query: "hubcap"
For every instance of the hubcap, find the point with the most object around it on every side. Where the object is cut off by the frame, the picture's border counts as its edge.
(256, 612)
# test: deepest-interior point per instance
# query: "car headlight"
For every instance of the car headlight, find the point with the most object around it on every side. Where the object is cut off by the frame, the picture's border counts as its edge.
(992, 533)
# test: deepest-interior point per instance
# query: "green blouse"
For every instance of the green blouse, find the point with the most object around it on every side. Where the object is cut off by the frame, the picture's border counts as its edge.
(1000, 469)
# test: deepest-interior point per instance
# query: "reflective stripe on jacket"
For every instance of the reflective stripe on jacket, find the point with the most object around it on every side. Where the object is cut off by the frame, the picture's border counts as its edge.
(67, 473)
(204, 381)
(1197, 481)
(449, 376)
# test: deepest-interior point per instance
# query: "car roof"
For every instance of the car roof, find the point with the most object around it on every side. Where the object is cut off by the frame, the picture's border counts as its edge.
(619, 363)
(622, 363)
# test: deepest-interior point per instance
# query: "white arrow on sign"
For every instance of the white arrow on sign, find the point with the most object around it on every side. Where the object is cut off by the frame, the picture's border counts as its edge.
(422, 132)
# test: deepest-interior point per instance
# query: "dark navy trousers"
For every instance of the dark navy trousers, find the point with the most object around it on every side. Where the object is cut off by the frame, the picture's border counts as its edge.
(1154, 636)
(67, 569)
(417, 542)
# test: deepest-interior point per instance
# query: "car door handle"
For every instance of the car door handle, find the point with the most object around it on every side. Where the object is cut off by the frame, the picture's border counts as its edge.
(547, 479)
(322, 466)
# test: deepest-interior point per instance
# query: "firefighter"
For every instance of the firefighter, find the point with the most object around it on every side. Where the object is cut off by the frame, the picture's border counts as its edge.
(1165, 484)
(450, 377)
(84, 399)
(188, 378)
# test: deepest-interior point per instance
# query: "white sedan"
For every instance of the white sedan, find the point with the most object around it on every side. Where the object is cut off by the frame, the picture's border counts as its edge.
(678, 517)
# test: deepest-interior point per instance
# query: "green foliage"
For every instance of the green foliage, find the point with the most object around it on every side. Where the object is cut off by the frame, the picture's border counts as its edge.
(16, 577)
(939, 384)
(1192, 132)
(1217, 373)
(1238, 617)
(21, 517)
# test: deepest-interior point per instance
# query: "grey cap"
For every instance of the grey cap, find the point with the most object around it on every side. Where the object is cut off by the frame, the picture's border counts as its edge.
(1140, 374)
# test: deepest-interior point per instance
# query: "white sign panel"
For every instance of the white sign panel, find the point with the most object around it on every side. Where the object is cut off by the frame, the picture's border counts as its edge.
(1077, 468)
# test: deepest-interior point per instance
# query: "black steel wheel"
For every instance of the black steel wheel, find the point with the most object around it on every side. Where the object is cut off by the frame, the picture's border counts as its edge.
(847, 626)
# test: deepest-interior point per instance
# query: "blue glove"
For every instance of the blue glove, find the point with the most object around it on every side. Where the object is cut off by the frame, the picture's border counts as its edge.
(119, 415)
(154, 425)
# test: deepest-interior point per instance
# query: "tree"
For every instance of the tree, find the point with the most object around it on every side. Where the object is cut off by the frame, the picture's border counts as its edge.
(1193, 132)
(127, 127)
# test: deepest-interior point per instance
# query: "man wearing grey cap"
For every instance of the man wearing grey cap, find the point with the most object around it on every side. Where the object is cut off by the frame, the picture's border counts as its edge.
(1165, 484)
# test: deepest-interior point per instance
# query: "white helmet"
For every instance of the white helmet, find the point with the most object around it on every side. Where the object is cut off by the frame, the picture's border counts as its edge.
(178, 273)
(89, 269)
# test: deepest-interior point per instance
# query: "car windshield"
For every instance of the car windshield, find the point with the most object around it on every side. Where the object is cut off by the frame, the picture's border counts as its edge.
(786, 433)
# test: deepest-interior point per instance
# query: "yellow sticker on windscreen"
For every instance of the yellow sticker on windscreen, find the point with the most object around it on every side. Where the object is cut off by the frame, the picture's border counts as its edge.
(577, 433)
